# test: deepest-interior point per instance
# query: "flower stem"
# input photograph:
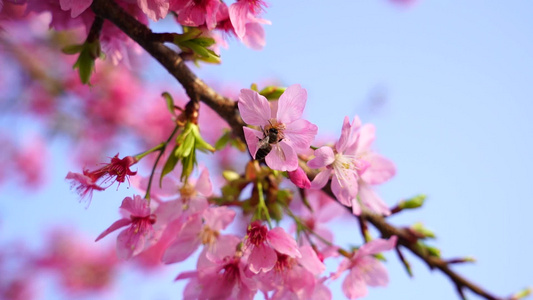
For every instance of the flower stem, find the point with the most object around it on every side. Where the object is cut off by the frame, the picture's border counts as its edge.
(262, 206)
(154, 149)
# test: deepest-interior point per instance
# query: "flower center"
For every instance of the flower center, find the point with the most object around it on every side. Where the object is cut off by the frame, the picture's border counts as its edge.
(257, 233)
(208, 236)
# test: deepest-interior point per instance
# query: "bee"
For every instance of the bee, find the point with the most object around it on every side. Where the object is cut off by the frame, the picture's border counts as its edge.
(270, 136)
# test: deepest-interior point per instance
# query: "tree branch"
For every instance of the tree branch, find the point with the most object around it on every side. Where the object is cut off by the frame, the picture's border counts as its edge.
(227, 109)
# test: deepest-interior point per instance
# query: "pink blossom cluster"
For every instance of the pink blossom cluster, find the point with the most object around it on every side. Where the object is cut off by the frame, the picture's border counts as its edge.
(180, 220)
(351, 166)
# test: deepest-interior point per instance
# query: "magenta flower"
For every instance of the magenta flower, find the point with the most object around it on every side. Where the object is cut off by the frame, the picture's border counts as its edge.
(195, 13)
(84, 184)
(299, 178)
(130, 242)
(364, 269)
(294, 134)
(262, 245)
(76, 7)
(221, 276)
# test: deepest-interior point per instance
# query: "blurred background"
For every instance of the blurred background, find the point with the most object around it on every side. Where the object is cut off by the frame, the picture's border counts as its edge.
(448, 86)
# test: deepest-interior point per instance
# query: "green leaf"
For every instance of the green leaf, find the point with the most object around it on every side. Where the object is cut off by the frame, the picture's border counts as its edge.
(170, 164)
(170, 102)
(85, 66)
(272, 92)
(415, 202)
(202, 51)
(204, 41)
(223, 140)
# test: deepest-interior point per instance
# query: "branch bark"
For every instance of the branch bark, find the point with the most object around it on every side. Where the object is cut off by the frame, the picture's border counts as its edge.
(227, 109)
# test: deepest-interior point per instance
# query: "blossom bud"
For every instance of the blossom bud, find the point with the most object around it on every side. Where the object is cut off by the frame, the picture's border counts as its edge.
(299, 178)
(415, 202)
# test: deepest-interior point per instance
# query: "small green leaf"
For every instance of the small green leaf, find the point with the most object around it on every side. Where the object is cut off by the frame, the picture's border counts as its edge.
(223, 140)
(272, 92)
(170, 164)
(204, 41)
(415, 202)
(170, 102)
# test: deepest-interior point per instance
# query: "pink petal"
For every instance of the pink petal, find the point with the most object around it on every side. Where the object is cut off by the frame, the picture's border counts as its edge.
(130, 243)
(254, 108)
(345, 136)
(324, 156)
(252, 137)
(283, 242)
(262, 258)
(310, 260)
(118, 224)
(381, 169)
(218, 218)
(137, 206)
(354, 285)
(377, 246)
(154, 9)
(374, 273)
(77, 7)
(255, 36)
(282, 157)
(299, 178)
(356, 208)
(371, 200)
(203, 185)
(186, 242)
(321, 179)
(211, 14)
(300, 134)
(367, 134)
(291, 104)
(238, 15)
(192, 16)
(345, 188)
(226, 246)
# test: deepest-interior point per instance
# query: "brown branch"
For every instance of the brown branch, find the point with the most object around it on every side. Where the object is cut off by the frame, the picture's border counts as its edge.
(227, 109)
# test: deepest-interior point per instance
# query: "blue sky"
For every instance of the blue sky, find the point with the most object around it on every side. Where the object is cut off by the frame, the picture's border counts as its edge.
(448, 85)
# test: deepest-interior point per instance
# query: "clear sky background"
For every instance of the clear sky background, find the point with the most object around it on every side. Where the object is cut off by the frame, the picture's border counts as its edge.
(448, 85)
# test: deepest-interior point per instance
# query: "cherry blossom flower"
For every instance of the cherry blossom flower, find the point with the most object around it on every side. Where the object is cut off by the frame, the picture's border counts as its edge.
(262, 244)
(241, 12)
(220, 276)
(117, 170)
(295, 134)
(154, 9)
(352, 166)
(364, 269)
(131, 241)
(194, 233)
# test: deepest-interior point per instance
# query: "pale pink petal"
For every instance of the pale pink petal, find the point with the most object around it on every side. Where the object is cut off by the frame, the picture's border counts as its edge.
(252, 137)
(354, 285)
(300, 134)
(118, 224)
(226, 246)
(321, 179)
(218, 218)
(374, 272)
(321, 292)
(376, 246)
(255, 36)
(262, 258)
(381, 169)
(328, 212)
(238, 15)
(154, 9)
(282, 157)
(130, 243)
(356, 207)
(299, 178)
(371, 200)
(310, 260)
(344, 139)
(203, 184)
(283, 242)
(136, 206)
(340, 192)
(76, 6)
(186, 243)
(291, 104)
(324, 156)
(367, 134)
(254, 108)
